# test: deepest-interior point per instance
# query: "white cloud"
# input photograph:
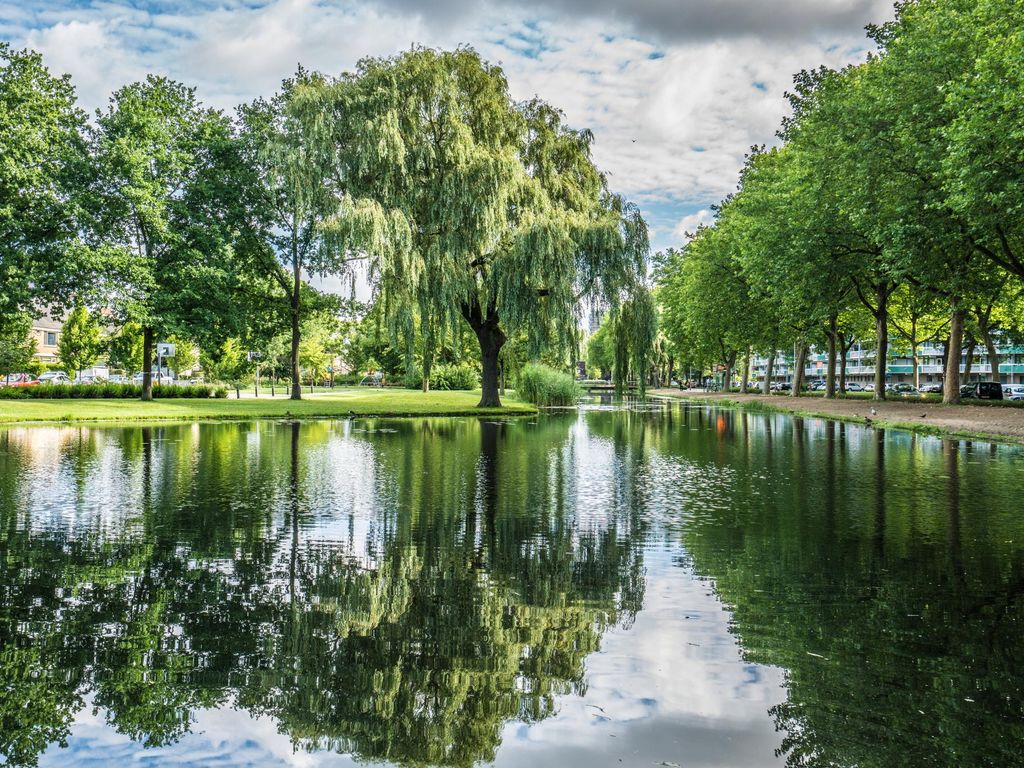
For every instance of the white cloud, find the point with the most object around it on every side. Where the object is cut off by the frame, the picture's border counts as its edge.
(689, 224)
(673, 113)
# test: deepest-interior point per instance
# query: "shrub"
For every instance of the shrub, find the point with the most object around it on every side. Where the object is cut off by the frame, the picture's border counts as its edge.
(107, 391)
(448, 377)
(443, 377)
(413, 377)
(545, 386)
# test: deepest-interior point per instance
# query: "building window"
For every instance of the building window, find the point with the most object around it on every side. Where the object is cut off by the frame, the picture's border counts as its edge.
(51, 338)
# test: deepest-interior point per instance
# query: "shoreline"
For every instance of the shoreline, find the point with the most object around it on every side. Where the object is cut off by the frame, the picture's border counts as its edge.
(340, 404)
(971, 422)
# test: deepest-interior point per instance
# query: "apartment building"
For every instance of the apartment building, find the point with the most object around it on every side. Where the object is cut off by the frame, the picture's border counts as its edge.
(46, 331)
(860, 365)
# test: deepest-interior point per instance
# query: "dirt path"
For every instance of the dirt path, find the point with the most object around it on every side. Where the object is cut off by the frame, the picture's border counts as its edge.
(959, 420)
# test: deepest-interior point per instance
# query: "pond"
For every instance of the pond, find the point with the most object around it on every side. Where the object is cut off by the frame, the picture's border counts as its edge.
(650, 584)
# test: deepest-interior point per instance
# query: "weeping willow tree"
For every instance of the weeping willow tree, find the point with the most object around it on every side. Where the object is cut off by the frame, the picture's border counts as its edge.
(471, 207)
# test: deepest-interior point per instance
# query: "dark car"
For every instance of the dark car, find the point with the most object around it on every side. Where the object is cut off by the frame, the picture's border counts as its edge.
(982, 390)
(989, 390)
(932, 389)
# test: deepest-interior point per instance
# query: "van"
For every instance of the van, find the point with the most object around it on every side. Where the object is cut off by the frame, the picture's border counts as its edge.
(984, 390)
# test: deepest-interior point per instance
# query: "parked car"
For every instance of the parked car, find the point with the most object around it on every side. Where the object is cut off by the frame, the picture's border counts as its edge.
(932, 389)
(1013, 392)
(906, 390)
(117, 378)
(54, 377)
(853, 386)
(818, 386)
(19, 380)
(982, 390)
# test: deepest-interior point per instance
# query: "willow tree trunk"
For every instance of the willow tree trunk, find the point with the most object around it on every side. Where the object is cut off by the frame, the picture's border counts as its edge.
(798, 369)
(296, 309)
(830, 371)
(147, 363)
(492, 339)
(951, 379)
(881, 338)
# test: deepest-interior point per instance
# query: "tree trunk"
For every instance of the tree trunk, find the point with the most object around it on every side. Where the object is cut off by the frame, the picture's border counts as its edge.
(881, 338)
(798, 369)
(969, 361)
(296, 309)
(147, 363)
(993, 355)
(830, 370)
(916, 361)
(428, 356)
(492, 339)
(427, 365)
(843, 351)
(671, 370)
(951, 379)
(745, 383)
(766, 385)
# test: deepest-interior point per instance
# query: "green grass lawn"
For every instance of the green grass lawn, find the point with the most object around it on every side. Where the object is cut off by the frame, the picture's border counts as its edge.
(336, 404)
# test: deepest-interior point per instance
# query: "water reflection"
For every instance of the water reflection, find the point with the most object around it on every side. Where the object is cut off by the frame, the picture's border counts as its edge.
(651, 585)
(409, 624)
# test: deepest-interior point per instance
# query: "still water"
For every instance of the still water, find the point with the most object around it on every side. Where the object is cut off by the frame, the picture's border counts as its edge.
(648, 585)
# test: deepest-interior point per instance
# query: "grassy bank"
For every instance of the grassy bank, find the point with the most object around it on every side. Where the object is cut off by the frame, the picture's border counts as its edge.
(969, 421)
(339, 403)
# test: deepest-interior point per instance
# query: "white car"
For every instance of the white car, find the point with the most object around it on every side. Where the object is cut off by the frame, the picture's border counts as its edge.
(1013, 391)
(54, 377)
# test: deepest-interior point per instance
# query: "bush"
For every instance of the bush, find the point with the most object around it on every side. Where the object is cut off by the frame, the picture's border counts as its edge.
(443, 377)
(544, 386)
(413, 378)
(107, 391)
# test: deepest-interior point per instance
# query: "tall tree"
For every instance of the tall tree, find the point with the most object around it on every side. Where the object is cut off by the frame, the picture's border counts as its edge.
(17, 346)
(42, 158)
(80, 341)
(152, 149)
(472, 207)
(291, 193)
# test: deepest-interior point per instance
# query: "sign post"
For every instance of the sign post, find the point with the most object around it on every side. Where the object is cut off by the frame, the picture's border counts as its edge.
(163, 349)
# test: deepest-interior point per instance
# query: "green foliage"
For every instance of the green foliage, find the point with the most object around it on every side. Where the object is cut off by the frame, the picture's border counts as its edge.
(124, 348)
(80, 341)
(601, 350)
(546, 387)
(444, 377)
(470, 206)
(226, 362)
(17, 346)
(42, 161)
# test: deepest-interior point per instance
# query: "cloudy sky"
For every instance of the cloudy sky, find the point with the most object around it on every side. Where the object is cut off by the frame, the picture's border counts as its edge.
(676, 91)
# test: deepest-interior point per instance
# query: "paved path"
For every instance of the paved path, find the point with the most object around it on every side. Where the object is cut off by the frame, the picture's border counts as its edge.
(965, 420)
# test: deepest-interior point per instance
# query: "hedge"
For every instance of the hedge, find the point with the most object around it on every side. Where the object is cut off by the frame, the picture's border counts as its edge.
(108, 391)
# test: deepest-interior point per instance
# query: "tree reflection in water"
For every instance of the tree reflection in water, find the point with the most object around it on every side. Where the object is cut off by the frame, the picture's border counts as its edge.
(472, 598)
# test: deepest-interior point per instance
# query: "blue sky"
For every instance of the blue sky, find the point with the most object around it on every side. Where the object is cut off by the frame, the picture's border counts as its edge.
(675, 91)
